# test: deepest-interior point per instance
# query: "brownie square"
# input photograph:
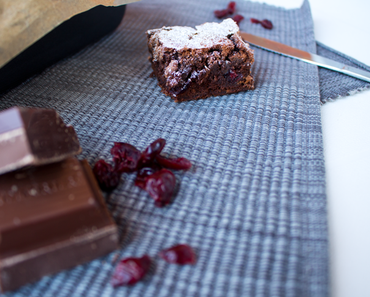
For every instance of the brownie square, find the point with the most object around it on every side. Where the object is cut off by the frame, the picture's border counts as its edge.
(210, 60)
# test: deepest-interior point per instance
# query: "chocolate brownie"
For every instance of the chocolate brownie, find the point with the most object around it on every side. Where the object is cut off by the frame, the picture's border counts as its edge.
(210, 60)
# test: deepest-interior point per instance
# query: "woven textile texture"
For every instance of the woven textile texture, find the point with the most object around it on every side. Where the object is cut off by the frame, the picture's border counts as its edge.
(253, 206)
(334, 85)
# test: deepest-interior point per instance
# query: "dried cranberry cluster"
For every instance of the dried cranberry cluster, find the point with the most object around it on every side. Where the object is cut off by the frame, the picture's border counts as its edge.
(131, 270)
(152, 176)
(229, 10)
(264, 23)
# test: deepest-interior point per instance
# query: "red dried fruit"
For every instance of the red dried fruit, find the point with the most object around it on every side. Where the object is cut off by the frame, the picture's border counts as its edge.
(144, 172)
(125, 156)
(160, 186)
(255, 21)
(130, 270)
(176, 164)
(179, 254)
(234, 76)
(106, 176)
(231, 7)
(225, 12)
(266, 24)
(221, 13)
(238, 18)
(154, 149)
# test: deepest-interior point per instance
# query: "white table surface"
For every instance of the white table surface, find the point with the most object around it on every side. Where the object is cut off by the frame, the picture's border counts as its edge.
(345, 26)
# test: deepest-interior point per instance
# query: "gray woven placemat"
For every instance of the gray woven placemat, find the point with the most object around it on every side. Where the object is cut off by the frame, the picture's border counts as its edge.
(335, 85)
(253, 206)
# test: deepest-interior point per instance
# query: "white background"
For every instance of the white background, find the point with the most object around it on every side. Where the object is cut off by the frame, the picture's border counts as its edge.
(345, 26)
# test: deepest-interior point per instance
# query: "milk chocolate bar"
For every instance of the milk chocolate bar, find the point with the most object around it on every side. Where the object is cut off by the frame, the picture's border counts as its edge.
(34, 136)
(52, 217)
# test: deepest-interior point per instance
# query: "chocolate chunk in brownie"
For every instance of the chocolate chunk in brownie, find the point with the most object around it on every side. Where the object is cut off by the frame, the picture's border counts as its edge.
(210, 60)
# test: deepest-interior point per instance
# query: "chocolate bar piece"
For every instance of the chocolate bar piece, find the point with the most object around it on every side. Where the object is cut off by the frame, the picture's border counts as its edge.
(34, 136)
(52, 217)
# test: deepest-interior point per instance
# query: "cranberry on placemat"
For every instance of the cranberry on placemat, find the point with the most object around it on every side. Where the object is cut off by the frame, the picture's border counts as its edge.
(154, 149)
(179, 254)
(130, 270)
(125, 156)
(238, 18)
(160, 186)
(143, 174)
(174, 163)
(107, 177)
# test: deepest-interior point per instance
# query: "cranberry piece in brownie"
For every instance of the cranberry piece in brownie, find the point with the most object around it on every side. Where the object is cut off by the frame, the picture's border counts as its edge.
(202, 62)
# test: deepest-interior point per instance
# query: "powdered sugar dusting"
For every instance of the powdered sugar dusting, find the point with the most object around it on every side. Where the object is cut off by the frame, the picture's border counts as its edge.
(203, 36)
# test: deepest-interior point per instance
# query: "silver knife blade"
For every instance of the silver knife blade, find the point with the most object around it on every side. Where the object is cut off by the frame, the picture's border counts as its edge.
(307, 57)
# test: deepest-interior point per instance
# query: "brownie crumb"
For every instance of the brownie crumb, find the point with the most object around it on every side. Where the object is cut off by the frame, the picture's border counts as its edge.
(210, 60)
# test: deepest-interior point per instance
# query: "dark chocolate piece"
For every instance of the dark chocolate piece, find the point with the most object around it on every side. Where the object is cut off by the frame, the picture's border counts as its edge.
(34, 136)
(52, 217)
(210, 60)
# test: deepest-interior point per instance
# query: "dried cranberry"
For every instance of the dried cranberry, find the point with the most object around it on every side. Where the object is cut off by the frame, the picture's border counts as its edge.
(106, 176)
(154, 149)
(144, 172)
(130, 270)
(266, 24)
(231, 7)
(234, 76)
(125, 156)
(225, 12)
(160, 186)
(179, 254)
(255, 21)
(221, 13)
(238, 18)
(176, 164)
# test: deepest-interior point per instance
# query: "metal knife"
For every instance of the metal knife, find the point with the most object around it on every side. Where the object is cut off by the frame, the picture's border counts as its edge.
(307, 57)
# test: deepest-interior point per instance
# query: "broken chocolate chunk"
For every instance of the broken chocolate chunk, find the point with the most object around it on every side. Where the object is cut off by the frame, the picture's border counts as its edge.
(34, 136)
(52, 217)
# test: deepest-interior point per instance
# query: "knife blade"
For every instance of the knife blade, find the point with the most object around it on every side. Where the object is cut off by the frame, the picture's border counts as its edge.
(307, 57)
